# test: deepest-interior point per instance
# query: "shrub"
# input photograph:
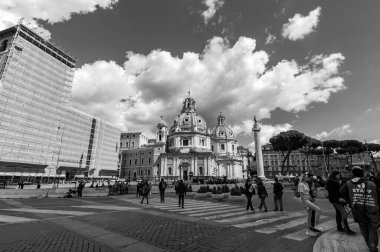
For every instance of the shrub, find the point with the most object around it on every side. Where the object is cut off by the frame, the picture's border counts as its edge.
(235, 191)
(189, 189)
(242, 190)
(202, 189)
(214, 190)
(227, 189)
(208, 189)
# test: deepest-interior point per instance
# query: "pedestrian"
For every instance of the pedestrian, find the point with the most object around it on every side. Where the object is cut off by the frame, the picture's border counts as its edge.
(80, 189)
(181, 192)
(333, 185)
(138, 188)
(145, 192)
(312, 188)
(277, 192)
(262, 192)
(162, 187)
(249, 191)
(38, 185)
(304, 191)
(362, 196)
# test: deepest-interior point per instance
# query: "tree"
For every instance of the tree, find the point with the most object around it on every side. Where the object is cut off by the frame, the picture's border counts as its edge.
(372, 149)
(328, 148)
(286, 142)
(309, 149)
(349, 148)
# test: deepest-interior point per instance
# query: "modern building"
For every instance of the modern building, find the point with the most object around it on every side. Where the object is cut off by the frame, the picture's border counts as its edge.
(40, 134)
(186, 150)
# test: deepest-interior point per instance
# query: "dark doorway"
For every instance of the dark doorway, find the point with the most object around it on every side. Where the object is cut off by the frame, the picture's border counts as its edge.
(185, 175)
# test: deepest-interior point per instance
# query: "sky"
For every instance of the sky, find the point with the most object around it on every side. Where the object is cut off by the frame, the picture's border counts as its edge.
(307, 65)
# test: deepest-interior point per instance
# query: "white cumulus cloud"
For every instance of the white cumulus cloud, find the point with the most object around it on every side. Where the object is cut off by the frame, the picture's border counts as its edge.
(51, 11)
(212, 7)
(233, 79)
(300, 26)
(337, 132)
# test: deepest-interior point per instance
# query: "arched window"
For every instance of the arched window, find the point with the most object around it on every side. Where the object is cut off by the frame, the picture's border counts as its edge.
(222, 147)
(212, 147)
(3, 46)
(170, 170)
(159, 137)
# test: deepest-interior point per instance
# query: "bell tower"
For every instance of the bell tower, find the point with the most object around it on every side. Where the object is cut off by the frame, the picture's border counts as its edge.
(162, 131)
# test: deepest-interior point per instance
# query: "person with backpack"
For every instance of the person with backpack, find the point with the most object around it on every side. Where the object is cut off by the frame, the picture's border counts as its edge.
(362, 197)
(162, 187)
(304, 192)
(249, 191)
(181, 192)
(333, 185)
(262, 192)
(145, 191)
(277, 192)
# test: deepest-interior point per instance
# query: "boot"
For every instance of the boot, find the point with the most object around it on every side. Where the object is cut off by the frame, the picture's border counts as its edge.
(347, 228)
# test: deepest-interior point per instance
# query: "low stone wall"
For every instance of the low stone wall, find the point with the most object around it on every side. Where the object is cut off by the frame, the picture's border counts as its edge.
(48, 193)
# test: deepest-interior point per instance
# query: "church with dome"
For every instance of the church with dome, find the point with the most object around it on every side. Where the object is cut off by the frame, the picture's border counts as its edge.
(187, 149)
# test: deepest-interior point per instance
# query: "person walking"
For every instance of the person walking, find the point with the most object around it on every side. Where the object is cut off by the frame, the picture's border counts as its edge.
(181, 192)
(362, 196)
(333, 185)
(262, 192)
(249, 191)
(80, 189)
(162, 187)
(145, 191)
(277, 192)
(304, 191)
(138, 189)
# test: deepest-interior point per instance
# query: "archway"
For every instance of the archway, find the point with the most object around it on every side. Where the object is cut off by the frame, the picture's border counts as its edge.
(184, 171)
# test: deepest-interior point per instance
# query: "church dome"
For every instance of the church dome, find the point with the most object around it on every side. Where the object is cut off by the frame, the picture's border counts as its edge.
(189, 120)
(222, 131)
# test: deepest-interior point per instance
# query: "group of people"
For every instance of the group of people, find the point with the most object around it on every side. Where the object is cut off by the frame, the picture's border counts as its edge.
(263, 194)
(144, 189)
(359, 195)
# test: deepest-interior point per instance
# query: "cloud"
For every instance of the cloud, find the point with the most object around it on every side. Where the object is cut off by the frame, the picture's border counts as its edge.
(300, 26)
(234, 79)
(50, 11)
(376, 141)
(212, 7)
(270, 37)
(370, 111)
(337, 132)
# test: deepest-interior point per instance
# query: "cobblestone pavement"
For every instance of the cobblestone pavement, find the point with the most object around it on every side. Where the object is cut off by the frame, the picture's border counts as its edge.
(121, 223)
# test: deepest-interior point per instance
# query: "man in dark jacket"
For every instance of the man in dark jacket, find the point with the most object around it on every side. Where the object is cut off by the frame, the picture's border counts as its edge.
(362, 197)
(333, 185)
(162, 188)
(181, 192)
(277, 192)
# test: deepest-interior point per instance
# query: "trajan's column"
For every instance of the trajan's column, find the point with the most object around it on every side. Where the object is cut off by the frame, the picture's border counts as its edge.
(259, 154)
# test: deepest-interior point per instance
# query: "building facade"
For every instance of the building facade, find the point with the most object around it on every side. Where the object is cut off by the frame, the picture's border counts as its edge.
(39, 132)
(188, 149)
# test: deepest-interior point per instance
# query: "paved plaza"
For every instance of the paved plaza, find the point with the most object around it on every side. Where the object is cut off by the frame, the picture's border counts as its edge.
(122, 223)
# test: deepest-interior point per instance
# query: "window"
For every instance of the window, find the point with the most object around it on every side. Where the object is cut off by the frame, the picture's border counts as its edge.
(3, 46)
(200, 170)
(126, 145)
(129, 173)
(233, 147)
(135, 160)
(133, 145)
(148, 172)
(150, 160)
(130, 161)
(121, 145)
(185, 142)
(124, 162)
(212, 147)
(141, 172)
(170, 170)
(222, 147)
(142, 161)
(159, 137)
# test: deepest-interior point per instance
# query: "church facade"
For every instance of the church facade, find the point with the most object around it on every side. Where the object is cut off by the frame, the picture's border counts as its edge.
(192, 150)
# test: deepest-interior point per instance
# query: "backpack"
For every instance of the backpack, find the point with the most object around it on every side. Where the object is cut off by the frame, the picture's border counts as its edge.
(162, 185)
(146, 189)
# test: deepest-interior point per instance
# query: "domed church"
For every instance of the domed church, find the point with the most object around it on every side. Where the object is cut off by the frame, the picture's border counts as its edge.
(192, 150)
